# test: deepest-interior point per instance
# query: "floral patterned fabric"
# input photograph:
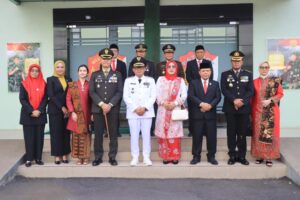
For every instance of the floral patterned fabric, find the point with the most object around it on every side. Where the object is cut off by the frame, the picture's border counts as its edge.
(266, 120)
(169, 132)
(163, 90)
(169, 149)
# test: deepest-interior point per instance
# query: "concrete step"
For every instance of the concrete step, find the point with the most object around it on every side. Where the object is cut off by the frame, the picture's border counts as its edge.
(157, 171)
(126, 156)
(124, 144)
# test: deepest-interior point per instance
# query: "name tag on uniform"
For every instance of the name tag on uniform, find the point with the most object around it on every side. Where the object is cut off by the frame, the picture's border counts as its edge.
(244, 78)
(147, 84)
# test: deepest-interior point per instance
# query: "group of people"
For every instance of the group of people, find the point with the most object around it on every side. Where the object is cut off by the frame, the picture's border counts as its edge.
(151, 94)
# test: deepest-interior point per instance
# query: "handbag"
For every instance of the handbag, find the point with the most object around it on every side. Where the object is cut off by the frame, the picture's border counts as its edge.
(180, 114)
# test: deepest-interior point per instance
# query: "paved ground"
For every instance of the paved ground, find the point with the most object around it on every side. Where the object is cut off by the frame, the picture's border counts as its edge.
(130, 189)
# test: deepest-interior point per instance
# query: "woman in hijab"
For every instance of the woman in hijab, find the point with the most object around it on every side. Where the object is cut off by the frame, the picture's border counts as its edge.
(33, 99)
(171, 94)
(265, 143)
(79, 105)
(58, 113)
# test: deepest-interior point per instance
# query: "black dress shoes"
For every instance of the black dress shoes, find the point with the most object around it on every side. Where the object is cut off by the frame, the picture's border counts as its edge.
(57, 162)
(113, 162)
(212, 161)
(65, 161)
(175, 162)
(97, 162)
(243, 161)
(39, 162)
(165, 162)
(231, 161)
(195, 160)
(28, 164)
(152, 133)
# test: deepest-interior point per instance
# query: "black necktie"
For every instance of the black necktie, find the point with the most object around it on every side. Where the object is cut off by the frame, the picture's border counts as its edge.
(140, 80)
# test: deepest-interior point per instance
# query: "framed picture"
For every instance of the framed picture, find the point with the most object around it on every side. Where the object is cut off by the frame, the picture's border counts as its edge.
(20, 57)
(284, 59)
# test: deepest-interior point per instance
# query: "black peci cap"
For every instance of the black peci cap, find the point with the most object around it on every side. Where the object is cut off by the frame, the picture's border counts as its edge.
(199, 47)
(205, 65)
(114, 46)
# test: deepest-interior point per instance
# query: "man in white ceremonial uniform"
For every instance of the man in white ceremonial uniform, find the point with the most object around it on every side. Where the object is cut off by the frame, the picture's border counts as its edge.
(139, 96)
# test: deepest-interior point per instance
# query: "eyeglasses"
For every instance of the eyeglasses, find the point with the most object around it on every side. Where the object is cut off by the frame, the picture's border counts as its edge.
(172, 66)
(264, 67)
(35, 70)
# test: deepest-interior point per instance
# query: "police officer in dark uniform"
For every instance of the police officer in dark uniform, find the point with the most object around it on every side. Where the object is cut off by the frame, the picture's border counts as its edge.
(106, 90)
(237, 88)
(141, 51)
(168, 51)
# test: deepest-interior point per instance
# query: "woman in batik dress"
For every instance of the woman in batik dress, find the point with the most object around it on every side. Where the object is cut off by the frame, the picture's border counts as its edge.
(78, 103)
(265, 114)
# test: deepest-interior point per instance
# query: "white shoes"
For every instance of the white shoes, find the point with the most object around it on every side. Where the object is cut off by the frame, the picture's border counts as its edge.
(147, 162)
(134, 161)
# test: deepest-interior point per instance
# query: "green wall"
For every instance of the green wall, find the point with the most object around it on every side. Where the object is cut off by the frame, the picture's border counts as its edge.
(32, 22)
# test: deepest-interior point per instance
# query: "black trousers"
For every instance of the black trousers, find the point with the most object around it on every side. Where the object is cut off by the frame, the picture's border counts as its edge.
(237, 125)
(154, 118)
(201, 127)
(118, 107)
(59, 135)
(34, 141)
(190, 118)
(99, 121)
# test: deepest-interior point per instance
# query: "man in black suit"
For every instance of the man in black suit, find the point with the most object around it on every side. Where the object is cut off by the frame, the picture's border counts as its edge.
(106, 90)
(237, 88)
(168, 51)
(192, 69)
(204, 95)
(120, 66)
(192, 66)
(141, 51)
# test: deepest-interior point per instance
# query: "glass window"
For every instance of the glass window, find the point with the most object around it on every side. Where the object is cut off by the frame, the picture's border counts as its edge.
(94, 32)
(124, 32)
(214, 31)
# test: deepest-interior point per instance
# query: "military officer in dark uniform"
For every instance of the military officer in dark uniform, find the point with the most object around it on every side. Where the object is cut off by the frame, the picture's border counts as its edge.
(191, 72)
(168, 51)
(141, 51)
(105, 89)
(237, 88)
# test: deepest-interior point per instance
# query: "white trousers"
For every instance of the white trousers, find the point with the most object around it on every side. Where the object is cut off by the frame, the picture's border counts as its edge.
(137, 125)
